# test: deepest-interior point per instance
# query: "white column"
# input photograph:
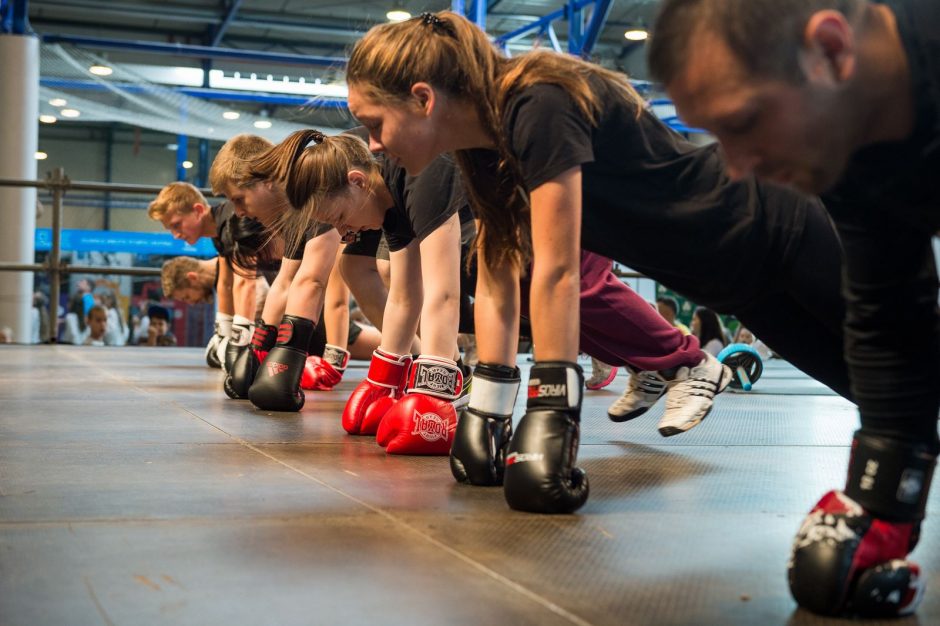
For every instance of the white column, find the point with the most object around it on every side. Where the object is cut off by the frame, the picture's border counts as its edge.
(19, 135)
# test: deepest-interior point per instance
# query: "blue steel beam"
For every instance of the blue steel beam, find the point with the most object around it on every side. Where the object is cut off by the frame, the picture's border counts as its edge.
(199, 52)
(479, 13)
(15, 17)
(595, 25)
(226, 21)
(575, 16)
(541, 23)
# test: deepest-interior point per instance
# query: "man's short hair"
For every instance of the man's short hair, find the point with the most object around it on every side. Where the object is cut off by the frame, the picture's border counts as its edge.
(179, 197)
(669, 302)
(231, 163)
(157, 312)
(173, 274)
(764, 35)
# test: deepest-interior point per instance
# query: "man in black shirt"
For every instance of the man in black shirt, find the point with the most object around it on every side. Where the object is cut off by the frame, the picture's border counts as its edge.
(842, 98)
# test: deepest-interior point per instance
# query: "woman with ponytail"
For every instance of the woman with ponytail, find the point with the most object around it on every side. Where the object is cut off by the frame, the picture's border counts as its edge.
(558, 153)
(304, 281)
(408, 404)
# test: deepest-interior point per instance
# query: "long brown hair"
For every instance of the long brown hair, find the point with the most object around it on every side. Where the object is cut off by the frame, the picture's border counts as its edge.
(310, 167)
(453, 55)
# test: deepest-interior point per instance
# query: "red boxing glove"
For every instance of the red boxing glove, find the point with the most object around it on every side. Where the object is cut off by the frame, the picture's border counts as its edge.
(386, 378)
(329, 371)
(308, 379)
(424, 421)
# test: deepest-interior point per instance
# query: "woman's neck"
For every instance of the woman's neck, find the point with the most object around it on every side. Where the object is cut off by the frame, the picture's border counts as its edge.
(466, 129)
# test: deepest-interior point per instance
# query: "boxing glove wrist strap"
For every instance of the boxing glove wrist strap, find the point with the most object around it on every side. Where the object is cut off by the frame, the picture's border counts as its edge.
(495, 388)
(223, 324)
(264, 337)
(435, 376)
(388, 369)
(294, 332)
(555, 385)
(336, 356)
(242, 329)
(890, 478)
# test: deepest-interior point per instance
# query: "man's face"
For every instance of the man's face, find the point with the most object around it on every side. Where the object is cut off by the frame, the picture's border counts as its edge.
(780, 131)
(97, 323)
(185, 226)
(191, 294)
(259, 201)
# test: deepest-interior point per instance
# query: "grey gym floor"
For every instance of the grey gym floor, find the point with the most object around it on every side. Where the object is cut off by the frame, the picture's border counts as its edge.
(132, 491)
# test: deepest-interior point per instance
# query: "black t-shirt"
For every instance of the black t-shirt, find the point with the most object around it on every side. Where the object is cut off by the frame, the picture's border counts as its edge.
(221, 215)
(297, 253)
(654, 201)
(424, 202)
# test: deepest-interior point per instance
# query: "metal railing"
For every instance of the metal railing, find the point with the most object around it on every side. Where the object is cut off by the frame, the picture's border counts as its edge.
(57, 183)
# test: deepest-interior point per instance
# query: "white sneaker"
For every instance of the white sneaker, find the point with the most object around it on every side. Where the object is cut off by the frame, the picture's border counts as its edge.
(644, 389)
(690, 395)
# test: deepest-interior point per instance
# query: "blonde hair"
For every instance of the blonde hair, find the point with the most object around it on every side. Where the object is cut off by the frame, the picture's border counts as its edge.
(311, 167)
(173, 274)
(176, 197)
(231, 163)
(453, 55)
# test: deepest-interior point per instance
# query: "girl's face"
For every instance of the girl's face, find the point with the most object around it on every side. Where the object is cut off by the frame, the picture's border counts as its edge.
(696, 325)
(356, 208)
(408, 132)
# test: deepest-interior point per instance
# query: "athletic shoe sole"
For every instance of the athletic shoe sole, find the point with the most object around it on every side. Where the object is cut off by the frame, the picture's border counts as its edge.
(610, 378)
(669, 431)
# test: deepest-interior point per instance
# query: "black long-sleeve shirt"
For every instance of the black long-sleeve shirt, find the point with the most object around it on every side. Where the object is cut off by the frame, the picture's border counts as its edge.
(887, 209)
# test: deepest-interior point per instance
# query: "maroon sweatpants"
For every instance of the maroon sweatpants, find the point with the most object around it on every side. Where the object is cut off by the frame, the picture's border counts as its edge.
(619, 327)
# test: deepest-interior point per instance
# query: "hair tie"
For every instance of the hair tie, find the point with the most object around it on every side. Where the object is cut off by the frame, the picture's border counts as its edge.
(317, 136)
(430, 19)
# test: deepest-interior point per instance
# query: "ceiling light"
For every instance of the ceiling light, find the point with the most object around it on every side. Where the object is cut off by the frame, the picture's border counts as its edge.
(187, 165)
(58, 102)
(231, 115)
(100, 70)
(398, 15)
(69, 112)
(41, 156)
(47, 119)
(636, 34)
(262, 123)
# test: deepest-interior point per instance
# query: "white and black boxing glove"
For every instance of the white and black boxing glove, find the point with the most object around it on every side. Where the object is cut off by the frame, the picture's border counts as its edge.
(540, 475)
(239, 379)
(239, 339)
(223, 327)
(484, 429)
(850, 554)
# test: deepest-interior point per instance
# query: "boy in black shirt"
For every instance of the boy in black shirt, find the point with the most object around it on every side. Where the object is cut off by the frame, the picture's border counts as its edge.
(842, 97)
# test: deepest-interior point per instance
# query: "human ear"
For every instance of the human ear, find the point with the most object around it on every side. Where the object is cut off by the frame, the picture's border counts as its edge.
(424, 97)
(829, 47)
